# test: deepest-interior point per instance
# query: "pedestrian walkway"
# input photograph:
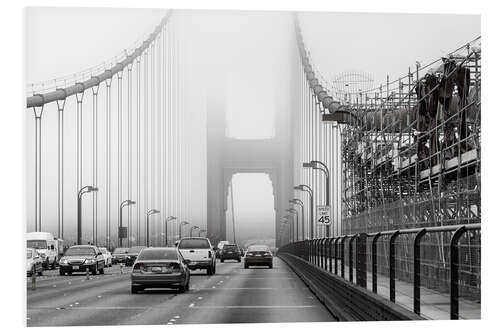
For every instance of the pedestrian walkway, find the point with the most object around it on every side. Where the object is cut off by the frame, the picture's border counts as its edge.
(433, 304)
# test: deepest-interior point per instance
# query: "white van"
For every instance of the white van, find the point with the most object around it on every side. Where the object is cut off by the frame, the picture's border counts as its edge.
(46, 244)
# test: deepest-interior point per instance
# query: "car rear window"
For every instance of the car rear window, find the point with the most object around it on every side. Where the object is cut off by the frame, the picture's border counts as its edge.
(135, 249)
(120, 250)
(194, 244)
(80, 251)
(158, 254)
(230, 247)
(258, 248)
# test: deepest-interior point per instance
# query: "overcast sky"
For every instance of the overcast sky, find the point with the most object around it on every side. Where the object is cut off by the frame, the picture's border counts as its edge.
(62, 41)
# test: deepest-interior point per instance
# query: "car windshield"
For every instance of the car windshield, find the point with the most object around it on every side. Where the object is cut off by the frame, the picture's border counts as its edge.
(29, 254)
(230, 247)
(37, 244)
(158, 254)
(79, 251)
(103, 250)
(135, 249)
(194, 243)
(120, 250)
(258, 248)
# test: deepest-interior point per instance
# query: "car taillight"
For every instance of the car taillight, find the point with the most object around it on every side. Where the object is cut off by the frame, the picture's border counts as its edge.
(138, 267)
(175, 267)
(269, 254)
(210, 254)
(249, 254)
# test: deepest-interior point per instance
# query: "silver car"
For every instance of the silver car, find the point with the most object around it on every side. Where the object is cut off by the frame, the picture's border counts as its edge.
(160, 267)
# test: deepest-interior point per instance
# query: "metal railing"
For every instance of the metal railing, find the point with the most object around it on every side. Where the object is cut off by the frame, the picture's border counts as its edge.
(329, 254)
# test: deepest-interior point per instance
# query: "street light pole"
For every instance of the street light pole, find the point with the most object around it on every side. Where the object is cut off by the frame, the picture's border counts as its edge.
(124, 203)
(295, 225)
(83, 190)
(308, 189)
(318, 165)
(180, 228)
(191, 230)
(301, 204)
(150, 212)
(200, 231)
(168, 219)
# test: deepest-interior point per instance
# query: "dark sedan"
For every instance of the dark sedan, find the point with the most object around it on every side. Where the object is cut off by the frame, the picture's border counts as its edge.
(119, 255)
(230, 251)
(160, 267)
(132, 254)
(258, 255)
(80, 258)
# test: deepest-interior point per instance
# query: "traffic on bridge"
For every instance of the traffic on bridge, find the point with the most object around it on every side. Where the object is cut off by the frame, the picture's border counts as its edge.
(255, 174)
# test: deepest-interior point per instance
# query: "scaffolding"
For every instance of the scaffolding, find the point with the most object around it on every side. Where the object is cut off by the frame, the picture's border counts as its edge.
(394, 176)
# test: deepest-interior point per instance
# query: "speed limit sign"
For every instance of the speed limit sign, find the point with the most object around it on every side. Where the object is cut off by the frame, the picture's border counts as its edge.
(323, 214)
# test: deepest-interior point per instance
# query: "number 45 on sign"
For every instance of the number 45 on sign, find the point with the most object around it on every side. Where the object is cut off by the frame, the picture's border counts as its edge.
(323, 214)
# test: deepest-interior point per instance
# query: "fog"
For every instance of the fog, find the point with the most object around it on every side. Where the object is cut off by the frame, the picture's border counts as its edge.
(219, 51)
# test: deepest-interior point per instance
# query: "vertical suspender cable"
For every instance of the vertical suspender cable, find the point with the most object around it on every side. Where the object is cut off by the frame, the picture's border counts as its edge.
(152, 135)
(79, 100)
(138, 153)
(60, 168)
(146, 132)
(38, 167)
(119, 164)
(108, 162)
(129, 151)
(95, 91)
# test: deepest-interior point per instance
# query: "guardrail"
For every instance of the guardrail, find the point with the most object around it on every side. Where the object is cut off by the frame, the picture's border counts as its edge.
(320, 252)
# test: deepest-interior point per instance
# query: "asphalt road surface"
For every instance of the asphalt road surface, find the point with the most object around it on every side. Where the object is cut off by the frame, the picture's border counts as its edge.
(232, 295)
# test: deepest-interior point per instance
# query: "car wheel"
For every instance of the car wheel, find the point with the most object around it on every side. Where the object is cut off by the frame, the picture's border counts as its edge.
(246, 266)
(135, 289)
(101, 271)
(40, 273)
(270, 266)
(61, 272)
(222, 260)
(213, 270)
(209, 271)
(94, 270)
(70, 273)
(53, 264)
(239, 260)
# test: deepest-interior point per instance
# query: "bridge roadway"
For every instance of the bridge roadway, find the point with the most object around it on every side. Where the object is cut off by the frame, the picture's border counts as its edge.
(232, 295)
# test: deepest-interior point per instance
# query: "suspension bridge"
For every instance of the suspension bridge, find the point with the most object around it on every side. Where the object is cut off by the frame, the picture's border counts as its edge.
(396, 167)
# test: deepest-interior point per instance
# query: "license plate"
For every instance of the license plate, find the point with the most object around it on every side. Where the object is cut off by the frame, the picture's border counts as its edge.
(167, 270)
(76, 267)
(156, 269)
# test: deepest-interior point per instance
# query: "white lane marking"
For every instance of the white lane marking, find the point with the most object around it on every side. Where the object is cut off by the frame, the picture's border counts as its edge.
(247, 288)
(200, 297)
(169, 323)
(177, 317)
(99, 296)
(172, 320)
(76, 303)
(254, 306)
(191, 305)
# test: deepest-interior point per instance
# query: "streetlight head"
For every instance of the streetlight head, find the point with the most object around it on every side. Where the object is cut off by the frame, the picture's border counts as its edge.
(93, 189)
(131, 202)
(307, 165)
(298, 187)
(170, 218)
(155, 211)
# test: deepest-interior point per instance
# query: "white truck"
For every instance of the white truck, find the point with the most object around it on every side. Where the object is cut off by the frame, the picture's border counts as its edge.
(49, 246)
(199, 252)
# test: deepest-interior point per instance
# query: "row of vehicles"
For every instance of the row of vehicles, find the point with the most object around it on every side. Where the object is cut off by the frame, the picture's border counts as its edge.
(153, 267)
(44, 252)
